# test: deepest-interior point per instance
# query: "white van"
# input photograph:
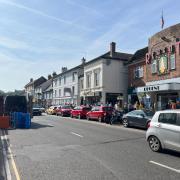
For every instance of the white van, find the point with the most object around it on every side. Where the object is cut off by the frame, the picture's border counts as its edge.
(164, 131)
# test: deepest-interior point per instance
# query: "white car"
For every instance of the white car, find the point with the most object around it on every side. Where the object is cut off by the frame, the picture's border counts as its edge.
(164, 131)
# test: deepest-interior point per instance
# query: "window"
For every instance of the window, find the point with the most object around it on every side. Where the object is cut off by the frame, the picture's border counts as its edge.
(82, 84)
(154, 66)
(73, 90)
(88, 80)
(73, 76)
(59, 92)
(55, 93)
(64, 79)
(55, 82)
(60, 81)
(96, 78)
(168, 118)
(172, 61)
(138, 73)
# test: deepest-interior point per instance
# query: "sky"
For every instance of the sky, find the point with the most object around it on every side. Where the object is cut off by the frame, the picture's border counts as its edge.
(38, 37)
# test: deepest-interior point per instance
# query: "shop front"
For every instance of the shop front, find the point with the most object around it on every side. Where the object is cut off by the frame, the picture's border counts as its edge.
(93, 98)
(160, 95)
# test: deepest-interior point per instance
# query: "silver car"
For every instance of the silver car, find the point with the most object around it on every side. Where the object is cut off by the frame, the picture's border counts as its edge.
(164, 131)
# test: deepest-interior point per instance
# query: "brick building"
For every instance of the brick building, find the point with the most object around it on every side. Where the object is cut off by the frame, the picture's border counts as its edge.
(161, 69)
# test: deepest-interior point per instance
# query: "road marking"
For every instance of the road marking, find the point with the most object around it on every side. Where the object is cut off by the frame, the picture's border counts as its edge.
(77, 134)
(11, 158)
(5, 159)
(167, 167)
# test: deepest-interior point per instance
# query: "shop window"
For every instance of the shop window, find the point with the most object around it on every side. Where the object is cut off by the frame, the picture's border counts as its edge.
(138, 73)
(154, 66)
(172, 61)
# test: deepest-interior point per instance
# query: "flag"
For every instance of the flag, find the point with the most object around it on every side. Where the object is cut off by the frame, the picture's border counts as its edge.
(162, 21)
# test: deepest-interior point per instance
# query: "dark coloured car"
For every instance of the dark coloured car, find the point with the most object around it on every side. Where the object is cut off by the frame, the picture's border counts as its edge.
(80, 111)
(37, 111)
(137, 118)
(63, 110)
(100, 113)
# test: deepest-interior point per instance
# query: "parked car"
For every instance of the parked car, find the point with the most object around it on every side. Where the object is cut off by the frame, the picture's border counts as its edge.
(51, 110)
(80, 111)
(64, 110)
(37, 111)
(100, 113)
(137, 118)
(164, 131)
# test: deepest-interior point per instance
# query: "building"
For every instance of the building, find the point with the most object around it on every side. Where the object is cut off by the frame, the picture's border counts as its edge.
(162, 69)
(31, 88)
(66, 86)
(105, 78)
(137, 75)
(43, 93)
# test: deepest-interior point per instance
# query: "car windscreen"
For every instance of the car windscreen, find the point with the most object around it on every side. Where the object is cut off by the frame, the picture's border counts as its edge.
(107, 109)
(66, 107)
(149, 113)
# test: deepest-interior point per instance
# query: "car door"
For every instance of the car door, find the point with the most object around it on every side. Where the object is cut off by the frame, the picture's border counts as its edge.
(169, 130)
(131, 116)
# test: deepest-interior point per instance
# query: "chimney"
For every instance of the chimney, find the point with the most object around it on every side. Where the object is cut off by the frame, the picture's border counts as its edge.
(54, 74)
(83, 60)
(63, 69)
(49, 76)
(112, 48)
(31, 80)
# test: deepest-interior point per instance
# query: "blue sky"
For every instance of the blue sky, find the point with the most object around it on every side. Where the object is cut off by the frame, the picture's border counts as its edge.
(38, 37)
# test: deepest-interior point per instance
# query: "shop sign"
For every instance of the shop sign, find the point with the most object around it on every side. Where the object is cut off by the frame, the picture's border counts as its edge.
(151, 88)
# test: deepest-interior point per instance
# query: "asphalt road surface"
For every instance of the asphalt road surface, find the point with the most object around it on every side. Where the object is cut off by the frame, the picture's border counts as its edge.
(57, 148)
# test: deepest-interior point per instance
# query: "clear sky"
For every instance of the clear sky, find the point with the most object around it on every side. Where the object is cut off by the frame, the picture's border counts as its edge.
(38, 37)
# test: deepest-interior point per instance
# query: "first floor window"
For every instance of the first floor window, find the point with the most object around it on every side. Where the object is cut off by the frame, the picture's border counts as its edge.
(88, 79)
(172, 61)
(59, 92)
(96, 78)
(138, 73)
(154, 66)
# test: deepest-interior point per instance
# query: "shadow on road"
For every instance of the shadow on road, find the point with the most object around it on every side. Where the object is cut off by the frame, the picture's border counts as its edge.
(171, 152)
(35, 125)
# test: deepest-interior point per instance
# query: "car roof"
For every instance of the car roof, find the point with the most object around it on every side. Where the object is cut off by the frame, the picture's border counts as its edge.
(169, 111)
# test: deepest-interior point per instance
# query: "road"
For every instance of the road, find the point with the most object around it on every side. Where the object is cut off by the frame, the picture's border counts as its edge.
(57, 148)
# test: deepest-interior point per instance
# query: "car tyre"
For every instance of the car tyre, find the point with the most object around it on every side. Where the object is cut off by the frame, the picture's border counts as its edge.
(125, 123)
(154, 144)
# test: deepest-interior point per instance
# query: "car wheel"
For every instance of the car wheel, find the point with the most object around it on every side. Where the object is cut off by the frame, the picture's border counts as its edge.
(125, 123)
(79, 116)
(100, 119)
(154, 144)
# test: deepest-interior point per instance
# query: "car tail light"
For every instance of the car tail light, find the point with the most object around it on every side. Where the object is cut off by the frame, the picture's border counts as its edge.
(149, 125)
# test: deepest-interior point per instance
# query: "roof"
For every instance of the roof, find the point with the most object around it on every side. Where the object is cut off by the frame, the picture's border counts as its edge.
(116, 56)
(169, 111)
(46, 84)
(67, 71)
(36, 82)
(138, 55)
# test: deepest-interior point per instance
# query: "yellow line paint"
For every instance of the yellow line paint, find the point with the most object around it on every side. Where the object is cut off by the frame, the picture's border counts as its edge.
(12, 161)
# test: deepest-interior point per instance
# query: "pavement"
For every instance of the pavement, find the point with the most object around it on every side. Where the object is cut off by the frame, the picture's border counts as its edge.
(2, 170)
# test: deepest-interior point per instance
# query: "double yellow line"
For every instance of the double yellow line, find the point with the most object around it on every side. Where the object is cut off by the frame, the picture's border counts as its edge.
(11, 157)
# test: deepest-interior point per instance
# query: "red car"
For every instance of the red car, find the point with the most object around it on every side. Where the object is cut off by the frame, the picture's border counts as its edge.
(101, 113)
(80, 111)
(64, 110)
